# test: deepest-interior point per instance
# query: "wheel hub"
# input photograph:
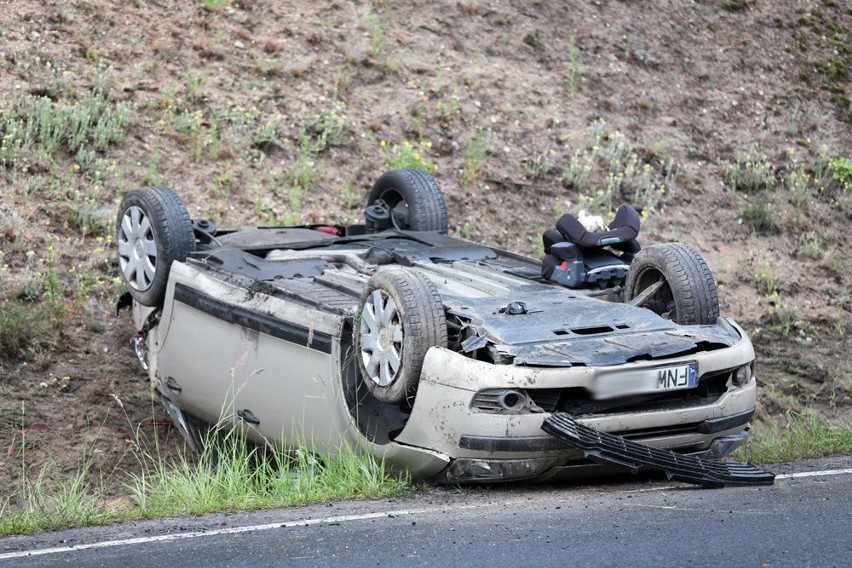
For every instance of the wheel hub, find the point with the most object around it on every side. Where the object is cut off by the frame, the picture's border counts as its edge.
(385, 337)
(381, 338)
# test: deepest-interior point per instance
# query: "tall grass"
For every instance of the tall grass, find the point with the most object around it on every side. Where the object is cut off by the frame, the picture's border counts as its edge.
(230, 474)
(804, 436)
(52, 501)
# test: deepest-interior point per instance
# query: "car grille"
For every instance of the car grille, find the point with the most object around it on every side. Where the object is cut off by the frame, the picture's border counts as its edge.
(577, 401)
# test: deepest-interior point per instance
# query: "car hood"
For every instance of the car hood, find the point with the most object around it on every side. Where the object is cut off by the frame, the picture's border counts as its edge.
(554, 327)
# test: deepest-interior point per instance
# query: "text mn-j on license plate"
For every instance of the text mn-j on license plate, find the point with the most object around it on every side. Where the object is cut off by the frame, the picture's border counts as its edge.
(661, 379)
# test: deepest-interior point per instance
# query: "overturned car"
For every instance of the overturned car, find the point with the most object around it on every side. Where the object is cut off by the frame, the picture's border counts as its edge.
(441, 356)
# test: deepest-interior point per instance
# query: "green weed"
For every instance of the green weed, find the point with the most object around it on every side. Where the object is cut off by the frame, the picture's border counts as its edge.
(573, 75)
(348, 194)
(328, 127)
(841, 172)
(579, 168)
(799, 183)
(39, 124)
(811, 245)
(449, 106)
(151, 175)
(213, 5)
(24, 331)
(751, 175)
(760, 216)
(766, 284)
(405, 155)
(475, 154)
(270, 134)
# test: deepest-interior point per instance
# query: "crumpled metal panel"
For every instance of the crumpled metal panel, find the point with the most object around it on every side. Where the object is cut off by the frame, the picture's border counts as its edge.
(559, 328)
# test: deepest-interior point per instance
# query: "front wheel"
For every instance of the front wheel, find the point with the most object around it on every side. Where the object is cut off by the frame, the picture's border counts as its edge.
(673, 281)
(401, 316)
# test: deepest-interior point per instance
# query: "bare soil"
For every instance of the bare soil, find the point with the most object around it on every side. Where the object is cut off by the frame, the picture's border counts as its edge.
(223, 93)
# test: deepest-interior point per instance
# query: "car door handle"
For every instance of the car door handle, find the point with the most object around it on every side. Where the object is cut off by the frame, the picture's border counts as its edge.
(247, 416)
(173, 385)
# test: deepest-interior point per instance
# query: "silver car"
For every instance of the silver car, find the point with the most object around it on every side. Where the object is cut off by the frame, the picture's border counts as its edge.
(441, 356)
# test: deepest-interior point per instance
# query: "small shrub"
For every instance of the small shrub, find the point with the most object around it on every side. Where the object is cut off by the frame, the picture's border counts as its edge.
(406, 156)
(811, 246)
(841, 172)
(751, 176)
(799, 184)
(766, 284)
(760, 217)
(328, 127)
(579, 168)
(24, 329)
(450, 106)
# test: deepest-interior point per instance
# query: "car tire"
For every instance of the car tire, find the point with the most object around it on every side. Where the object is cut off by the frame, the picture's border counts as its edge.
(400, 317)
(152, 231)
(688, 293)
(415, 200)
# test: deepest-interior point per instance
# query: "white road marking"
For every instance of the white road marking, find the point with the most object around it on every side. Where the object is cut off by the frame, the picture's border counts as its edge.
(813, 473)
(323, 521)
(215, 532)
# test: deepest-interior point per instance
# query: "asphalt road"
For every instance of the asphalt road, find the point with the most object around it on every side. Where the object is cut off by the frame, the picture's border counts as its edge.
(803, 520)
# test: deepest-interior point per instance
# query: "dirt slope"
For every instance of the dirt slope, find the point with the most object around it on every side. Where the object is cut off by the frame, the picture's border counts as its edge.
(726, 123)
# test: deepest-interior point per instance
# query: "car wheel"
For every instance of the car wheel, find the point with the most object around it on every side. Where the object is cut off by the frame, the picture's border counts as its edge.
(153, 230)
(400, 316)
(676, 282)
(414, 198)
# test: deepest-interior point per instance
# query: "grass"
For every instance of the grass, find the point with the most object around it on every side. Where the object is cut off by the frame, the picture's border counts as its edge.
(229, 475)
(573, 75)
(804, 436)
(475, 154)
(37, 123)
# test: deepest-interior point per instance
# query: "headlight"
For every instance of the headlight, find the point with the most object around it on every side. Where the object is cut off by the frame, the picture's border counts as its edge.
(743, 374)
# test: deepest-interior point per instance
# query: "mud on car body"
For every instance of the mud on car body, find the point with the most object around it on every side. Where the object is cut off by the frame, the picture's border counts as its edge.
(441, 356)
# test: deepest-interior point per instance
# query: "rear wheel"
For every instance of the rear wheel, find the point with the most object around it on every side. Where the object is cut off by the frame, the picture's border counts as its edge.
(414, 199)
(674, 281)
(401, 316)
(153, 230)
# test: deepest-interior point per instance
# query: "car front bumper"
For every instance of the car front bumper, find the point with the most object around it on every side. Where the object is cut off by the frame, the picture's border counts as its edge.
(486, 446)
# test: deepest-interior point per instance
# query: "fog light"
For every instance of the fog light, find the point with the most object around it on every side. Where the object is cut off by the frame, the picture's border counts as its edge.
(743, 375)
(501, 400)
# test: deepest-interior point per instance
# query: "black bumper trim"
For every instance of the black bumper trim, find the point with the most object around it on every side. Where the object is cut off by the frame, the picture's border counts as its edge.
(262, 323)
(714, 425)
(609, 449)
(518, 444)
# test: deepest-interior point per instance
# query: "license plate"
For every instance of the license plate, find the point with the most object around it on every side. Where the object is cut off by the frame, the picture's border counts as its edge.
(663, 379)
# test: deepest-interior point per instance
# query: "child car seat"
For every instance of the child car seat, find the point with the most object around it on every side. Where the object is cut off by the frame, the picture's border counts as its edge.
(578, 258)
